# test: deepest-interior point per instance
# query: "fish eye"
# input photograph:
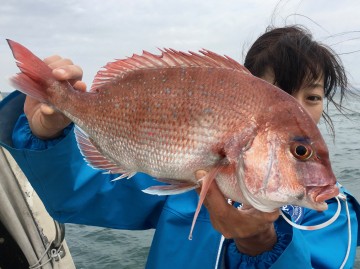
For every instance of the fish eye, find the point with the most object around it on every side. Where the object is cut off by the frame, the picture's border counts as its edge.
(300, 151)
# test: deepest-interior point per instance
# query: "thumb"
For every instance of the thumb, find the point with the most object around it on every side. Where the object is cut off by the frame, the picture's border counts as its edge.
(47, 110)
(80, 86)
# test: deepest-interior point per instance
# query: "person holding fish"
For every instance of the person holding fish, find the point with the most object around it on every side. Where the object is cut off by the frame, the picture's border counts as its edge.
(192, 121)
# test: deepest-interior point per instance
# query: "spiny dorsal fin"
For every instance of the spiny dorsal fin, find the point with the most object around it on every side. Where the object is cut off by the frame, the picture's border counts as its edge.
(94, 157)
(168, 58)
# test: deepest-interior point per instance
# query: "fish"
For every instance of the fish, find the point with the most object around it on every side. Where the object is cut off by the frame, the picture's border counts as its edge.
(172, 114)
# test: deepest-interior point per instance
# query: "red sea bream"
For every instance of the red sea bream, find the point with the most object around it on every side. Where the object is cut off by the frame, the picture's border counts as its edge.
(172, 114)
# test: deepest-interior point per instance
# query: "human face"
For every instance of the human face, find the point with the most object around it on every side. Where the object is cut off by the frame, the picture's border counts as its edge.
(311, 97)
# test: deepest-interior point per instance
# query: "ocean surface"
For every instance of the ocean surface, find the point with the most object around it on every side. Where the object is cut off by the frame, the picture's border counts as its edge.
(99, 248)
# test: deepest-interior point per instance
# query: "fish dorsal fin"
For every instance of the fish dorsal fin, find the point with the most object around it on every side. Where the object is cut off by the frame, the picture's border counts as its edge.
(94, 157)
(167, 59)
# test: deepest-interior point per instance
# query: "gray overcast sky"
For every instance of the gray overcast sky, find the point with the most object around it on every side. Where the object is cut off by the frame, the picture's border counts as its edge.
(93, 33)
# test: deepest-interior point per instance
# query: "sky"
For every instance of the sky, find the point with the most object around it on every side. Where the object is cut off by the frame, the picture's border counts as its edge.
(92, 33)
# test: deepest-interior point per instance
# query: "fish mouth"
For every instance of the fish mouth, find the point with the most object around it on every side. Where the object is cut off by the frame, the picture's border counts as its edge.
(319, 194)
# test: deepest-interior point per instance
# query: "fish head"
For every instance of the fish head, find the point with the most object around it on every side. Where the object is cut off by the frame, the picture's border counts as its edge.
(287, 163)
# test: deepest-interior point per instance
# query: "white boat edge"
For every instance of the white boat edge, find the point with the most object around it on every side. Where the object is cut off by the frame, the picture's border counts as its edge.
(40, 238)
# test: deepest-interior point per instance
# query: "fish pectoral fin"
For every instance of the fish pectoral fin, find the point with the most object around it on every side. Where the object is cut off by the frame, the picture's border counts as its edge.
(174, 187)
(239, 143)
(95, 158)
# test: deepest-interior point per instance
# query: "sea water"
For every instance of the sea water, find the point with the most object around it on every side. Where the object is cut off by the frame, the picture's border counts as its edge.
(99, 248)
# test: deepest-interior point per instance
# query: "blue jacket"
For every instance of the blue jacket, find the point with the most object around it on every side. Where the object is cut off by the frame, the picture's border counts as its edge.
(73, 192)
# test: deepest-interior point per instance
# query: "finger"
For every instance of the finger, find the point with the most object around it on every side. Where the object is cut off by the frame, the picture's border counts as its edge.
(59, 62)
(52, 59)
(200, 174)
(80, 86)
(47, 110)
(267, 217)
(246, 207)
(68, 72)
(270, 216)
(215, 201)
(30, 106)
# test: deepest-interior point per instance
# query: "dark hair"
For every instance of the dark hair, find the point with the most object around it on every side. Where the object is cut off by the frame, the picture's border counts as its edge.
(295, 58)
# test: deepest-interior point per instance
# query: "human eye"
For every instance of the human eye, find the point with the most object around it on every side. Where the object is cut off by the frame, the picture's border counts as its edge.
(315, 95)
(314, 98)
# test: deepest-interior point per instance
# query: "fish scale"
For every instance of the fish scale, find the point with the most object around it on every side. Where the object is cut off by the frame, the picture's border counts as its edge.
(173, 114)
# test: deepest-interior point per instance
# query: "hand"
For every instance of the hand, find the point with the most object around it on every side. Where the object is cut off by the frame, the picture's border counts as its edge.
(252, 230)
(44, 121)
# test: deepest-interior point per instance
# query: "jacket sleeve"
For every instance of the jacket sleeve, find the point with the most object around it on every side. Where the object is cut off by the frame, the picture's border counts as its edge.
(324, 248)
(288, 248)
(71, 190)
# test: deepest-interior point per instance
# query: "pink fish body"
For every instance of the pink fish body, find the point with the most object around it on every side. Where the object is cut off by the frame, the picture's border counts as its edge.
(173, 114)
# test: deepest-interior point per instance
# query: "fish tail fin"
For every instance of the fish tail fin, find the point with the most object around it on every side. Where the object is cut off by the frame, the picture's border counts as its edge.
(35, 75)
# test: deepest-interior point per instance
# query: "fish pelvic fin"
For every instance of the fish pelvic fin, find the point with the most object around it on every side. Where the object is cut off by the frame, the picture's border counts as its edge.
(174, 186)
(126, 175)
(95, 158)
(35, 75)
(206, 182)
(181, 186)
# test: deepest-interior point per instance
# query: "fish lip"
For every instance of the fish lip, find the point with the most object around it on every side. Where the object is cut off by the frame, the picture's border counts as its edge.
(319, 194)
(318, 206)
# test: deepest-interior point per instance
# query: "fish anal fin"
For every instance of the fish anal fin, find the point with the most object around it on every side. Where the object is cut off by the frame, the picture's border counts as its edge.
(95, 158)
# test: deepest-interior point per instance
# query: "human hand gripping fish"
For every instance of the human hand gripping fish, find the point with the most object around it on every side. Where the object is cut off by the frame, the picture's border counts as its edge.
(46, 122)
(172, 115)
(252, 230)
